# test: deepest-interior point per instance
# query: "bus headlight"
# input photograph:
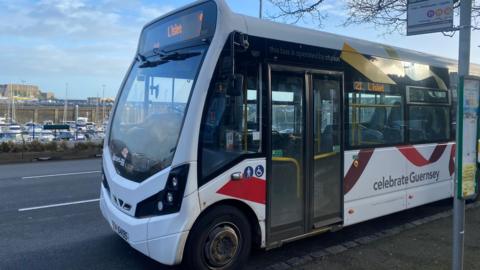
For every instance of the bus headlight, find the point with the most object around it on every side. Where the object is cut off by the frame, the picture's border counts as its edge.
(169, 200)
(174, 182)
(169, 197)
(160, 206)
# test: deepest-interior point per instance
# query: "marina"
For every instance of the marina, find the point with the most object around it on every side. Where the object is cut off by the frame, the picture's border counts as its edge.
(80, 130)
(56, 120)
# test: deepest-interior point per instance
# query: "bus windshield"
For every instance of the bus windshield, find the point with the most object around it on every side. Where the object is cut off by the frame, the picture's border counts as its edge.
(151, 107)
(149, 114)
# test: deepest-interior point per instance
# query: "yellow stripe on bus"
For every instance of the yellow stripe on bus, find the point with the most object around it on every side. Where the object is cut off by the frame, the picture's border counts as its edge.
(363, 65)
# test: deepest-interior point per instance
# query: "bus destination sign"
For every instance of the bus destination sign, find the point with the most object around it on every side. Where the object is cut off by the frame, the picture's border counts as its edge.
(175, 30)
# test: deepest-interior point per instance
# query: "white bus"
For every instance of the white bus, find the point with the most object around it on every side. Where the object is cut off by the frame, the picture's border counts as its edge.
(231, 132)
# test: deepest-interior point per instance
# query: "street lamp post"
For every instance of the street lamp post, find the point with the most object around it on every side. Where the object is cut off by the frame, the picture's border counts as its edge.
(103, 103)
(260, 10)
(65, 104)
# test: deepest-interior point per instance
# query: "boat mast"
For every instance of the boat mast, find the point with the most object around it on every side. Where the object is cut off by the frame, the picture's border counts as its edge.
(13, 104)
(65, 104)
(103, 103)
(8, 92)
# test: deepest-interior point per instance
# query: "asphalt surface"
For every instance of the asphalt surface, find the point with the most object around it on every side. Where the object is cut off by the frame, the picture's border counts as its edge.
(34, 235)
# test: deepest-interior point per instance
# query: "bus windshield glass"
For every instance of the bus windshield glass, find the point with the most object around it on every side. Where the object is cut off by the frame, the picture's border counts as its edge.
(150, 112)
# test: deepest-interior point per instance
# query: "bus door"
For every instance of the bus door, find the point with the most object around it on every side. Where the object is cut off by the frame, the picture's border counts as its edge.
(304, 176)
(326, 194)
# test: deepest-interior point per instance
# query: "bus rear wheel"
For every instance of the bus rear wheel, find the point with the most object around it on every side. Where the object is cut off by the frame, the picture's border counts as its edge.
(221, 240)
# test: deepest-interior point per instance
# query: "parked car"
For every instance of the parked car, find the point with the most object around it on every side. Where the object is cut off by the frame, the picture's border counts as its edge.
(64, 136)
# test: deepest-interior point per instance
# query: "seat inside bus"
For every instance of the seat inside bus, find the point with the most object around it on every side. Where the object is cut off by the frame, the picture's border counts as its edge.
(394, 127)
(385, 126)
(427, 123)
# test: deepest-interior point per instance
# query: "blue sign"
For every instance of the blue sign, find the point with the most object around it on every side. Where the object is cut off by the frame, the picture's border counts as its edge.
(248, 172)
(259, 170)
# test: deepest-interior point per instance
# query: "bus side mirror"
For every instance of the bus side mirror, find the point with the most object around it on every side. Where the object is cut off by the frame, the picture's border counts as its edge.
(236, 85)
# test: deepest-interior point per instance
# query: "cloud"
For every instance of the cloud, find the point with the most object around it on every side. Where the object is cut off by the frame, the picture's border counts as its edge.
(335, 8)
(150, 13)
(61, 38)
(76, 19)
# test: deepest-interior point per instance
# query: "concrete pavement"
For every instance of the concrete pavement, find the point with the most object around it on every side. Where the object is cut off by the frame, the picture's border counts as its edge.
(424, 247)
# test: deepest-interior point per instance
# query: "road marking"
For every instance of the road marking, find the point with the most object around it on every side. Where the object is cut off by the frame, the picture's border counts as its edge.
(59, 174)
(56, 205)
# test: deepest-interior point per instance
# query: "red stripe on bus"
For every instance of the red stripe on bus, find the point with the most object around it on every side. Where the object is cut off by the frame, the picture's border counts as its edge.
(451, 166)
(410, 153)
(252, 189)
(356, 169)
(416, 158)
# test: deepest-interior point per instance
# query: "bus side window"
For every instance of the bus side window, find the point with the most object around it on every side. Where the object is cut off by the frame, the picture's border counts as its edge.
(230, 126)
(429, 123)
(429, 115)
(375, 119)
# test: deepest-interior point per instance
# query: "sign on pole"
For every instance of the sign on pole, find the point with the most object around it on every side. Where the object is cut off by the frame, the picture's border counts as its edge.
(429, 16)
(469, 95)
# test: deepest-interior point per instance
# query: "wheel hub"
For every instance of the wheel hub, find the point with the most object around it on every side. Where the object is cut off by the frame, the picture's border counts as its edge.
(222, 245)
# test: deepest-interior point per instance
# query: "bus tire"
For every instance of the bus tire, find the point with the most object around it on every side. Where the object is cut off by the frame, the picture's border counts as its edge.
(220, 240)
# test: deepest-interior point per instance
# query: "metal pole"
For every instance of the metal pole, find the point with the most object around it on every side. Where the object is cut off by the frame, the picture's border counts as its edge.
(13, 105)
(65, 104)
(260, 11)
(463, 70)
(9, 116)
(96, 109)
(33, 122)
(103, 103)
(76, 121)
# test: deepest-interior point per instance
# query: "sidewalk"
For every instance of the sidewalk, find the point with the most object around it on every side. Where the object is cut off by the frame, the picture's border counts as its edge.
(422, 244)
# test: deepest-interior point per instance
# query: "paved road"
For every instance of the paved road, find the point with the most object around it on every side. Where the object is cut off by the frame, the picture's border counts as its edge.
(75, 236)
(64, 237)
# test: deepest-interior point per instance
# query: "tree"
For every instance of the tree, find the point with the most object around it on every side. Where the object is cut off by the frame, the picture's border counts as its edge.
(390, 15)
(295, 10)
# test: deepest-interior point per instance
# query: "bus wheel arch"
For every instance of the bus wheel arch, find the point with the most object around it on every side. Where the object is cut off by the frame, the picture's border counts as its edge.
(244, 218)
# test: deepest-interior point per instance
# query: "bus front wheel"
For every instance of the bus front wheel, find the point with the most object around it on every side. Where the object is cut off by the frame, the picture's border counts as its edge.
(221, 240)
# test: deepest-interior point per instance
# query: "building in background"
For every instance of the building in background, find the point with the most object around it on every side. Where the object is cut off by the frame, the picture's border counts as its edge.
(30, 104)
(94, 100)
(46, 96)
(24, 92)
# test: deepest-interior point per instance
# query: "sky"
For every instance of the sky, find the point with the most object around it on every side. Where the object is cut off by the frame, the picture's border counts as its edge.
(89, 44)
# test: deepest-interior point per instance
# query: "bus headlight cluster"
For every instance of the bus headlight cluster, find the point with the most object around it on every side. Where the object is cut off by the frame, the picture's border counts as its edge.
(169, 197)
(160, 206)
(168, 200)
(174, 182)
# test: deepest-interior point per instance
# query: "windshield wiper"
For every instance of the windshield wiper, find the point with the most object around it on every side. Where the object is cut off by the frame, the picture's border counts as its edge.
(141, 57)
(147, 63)
(144, 62)
(164, 58)
(178, 56)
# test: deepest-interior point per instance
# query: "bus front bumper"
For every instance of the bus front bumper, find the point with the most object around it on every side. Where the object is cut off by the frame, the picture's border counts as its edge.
(167, 249)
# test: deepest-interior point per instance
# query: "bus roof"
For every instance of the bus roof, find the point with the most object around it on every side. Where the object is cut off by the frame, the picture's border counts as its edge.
(291, 33)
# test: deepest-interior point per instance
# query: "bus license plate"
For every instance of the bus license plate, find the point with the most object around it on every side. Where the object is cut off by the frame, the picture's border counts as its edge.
(120, 231)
